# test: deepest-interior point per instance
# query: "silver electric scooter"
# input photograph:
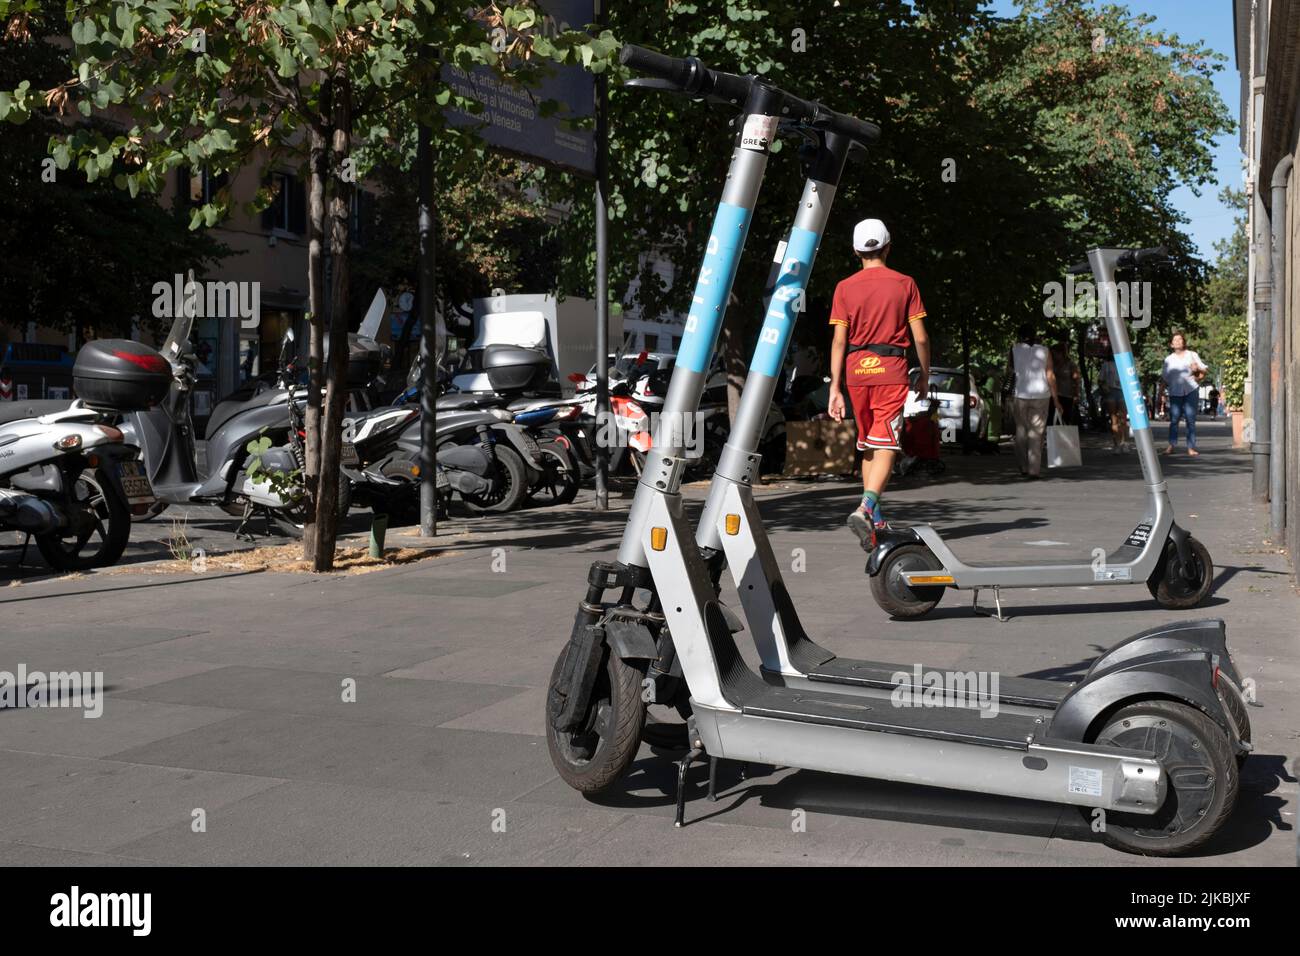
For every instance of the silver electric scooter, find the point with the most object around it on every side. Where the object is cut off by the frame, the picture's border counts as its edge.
(911, 567)
(1151, 735)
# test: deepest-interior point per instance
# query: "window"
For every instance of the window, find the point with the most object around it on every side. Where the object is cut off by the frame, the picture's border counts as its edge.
(199, 187)
(287, 214)
(363, 216)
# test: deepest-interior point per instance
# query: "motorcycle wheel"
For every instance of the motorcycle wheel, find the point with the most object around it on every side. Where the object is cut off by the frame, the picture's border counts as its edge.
(110, 525)
(558, 483)
(510, 484)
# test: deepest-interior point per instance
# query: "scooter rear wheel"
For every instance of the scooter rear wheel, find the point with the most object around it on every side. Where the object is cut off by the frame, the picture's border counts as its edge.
(510, 484)
(894, 594)
(95, 545)
(600, 751)
(1168, 585)
(1202, 777)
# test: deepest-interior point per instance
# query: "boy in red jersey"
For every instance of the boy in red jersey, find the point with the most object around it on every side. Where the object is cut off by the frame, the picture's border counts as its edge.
(875, 312)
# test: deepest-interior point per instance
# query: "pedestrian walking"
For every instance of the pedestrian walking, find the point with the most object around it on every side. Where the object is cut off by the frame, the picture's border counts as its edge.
(875, 313)
(1214, 402)
(1112, 400)
(1182, 373)
(1067, 381)
(1035, 388)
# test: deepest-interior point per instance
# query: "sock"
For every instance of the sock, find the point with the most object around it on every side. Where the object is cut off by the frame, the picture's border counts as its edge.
(872, 500)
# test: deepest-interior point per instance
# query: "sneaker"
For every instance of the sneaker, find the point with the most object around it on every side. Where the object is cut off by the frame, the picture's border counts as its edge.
(866, 525)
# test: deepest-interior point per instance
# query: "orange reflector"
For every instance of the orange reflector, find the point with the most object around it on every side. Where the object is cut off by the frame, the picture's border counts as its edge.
(733, 524)
(415, 471)
(930, 579)
(658, 538)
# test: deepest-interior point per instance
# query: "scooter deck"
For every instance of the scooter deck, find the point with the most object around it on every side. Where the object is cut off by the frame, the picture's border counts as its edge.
(968, 725)
(1025, 691)
(817, 664)
(753, 697)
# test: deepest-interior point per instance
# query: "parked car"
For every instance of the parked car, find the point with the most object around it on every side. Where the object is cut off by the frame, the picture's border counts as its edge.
(950, 388)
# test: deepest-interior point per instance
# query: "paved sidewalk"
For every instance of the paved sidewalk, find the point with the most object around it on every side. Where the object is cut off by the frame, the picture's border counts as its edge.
(226, 693)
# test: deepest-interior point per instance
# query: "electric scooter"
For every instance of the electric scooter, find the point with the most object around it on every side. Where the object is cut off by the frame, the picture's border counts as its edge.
(1151, 735)
(911, 567)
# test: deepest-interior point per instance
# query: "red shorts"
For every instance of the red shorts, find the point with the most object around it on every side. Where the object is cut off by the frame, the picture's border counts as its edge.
(879, 413)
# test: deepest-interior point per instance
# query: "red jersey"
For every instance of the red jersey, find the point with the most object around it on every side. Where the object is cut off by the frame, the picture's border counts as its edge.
(876, 305)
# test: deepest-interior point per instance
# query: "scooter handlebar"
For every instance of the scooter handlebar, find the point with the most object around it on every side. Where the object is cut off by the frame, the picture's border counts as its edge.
(689, 75)
(1140, 257)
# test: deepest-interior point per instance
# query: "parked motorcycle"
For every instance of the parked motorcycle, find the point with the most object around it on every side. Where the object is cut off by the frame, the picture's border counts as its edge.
(69, 479)
(165, 436)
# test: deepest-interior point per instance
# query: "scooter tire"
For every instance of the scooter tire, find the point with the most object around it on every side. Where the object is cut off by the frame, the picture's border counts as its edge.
(1201, 793)
(511, 471)
(593, 759)
(896, 596)
(1170, 589)
(559, 481)
(116, 521)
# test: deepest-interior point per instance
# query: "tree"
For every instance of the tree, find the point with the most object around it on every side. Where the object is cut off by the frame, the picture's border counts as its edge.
(1009, 146)
(78, 255)
(216, 84)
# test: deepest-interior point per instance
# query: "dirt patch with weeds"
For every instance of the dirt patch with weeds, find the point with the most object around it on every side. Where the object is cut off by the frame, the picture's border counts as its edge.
(285, 558)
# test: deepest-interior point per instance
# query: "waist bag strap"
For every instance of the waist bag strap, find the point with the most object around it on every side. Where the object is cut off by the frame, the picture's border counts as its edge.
(881, 349)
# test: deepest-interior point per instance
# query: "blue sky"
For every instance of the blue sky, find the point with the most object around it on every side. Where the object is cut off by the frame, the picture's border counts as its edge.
(1210, 22)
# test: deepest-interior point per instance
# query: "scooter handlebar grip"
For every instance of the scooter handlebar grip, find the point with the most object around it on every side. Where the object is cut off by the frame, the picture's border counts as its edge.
(856, 129)
(1141, 256)
(652, 63)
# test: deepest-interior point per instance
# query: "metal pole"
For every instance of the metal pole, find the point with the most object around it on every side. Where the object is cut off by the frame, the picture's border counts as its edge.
(1261, 399)
(1277, 360)
(428, 343)
(602, 278)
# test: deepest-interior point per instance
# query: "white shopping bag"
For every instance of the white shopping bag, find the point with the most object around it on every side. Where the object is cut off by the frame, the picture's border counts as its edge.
(1063, 445)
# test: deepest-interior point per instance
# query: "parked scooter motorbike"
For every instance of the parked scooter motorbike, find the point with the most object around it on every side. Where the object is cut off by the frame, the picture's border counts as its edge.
(68, 479)
(166, 438)
(480, 454)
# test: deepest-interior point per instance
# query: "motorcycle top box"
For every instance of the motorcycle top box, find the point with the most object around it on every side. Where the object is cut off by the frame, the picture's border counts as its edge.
(120, 375)
(365, 360)
(512, 368)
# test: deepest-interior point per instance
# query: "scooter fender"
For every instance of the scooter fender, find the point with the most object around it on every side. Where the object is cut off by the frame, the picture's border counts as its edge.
(114, 453)
(887, 541)
(568, 700)
(1186, 677)
(1174, 637)
(521, 442)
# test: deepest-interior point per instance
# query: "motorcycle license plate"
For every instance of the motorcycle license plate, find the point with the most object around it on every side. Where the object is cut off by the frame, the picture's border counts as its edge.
(136, 484)
(350, 454)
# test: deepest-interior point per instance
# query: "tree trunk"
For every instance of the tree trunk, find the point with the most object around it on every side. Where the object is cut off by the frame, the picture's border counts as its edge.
(319, 171)
(732, 348)
(340, 215)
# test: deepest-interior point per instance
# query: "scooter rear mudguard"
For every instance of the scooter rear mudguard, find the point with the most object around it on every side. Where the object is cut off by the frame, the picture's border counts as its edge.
(1186, 662)
(887, 541)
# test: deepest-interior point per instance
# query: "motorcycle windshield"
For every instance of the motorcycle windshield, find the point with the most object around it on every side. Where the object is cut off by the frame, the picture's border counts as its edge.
(178, 340)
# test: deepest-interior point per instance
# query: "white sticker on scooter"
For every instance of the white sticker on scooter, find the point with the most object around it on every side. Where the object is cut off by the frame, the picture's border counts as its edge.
(1112, 574)
(758, 132)
(1086, 781)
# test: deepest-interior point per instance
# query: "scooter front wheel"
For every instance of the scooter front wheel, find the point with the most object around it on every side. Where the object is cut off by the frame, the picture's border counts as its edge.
(595, 755)
(1202, 778)
(1173, 589)
(894, 594)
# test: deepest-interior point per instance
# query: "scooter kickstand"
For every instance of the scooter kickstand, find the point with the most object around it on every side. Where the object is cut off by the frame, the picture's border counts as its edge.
(713, 779)
(684, 765)
(997, 601)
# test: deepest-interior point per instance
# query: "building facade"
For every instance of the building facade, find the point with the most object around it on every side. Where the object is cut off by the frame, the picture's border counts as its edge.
(1268, 61)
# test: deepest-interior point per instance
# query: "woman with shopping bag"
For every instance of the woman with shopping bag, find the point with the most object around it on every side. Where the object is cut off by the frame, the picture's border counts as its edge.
(1035, 385)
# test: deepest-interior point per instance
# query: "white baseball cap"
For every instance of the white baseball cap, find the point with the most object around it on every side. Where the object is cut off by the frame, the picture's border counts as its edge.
(870, 235)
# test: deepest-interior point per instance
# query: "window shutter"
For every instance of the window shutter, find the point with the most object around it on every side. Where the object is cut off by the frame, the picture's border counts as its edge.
(297, 199)
(268, 214)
